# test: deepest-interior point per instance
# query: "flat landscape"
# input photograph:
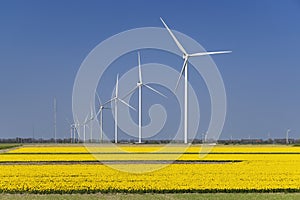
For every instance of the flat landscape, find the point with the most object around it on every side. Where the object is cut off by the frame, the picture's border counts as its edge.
(123, 169)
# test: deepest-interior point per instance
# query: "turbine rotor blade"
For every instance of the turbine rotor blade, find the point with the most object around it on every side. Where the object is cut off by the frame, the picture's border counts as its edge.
(98, 97)
(140, 70)
(208, 53)
(181, 72)
(130, 92)
(86, 119)
(99, 111)
(117, 85)
(174, 38)
(109, 101)
(91, 112)
(154, 90)
(126, 104)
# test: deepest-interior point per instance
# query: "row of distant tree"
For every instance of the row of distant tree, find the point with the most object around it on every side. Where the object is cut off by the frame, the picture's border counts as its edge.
(195, 141)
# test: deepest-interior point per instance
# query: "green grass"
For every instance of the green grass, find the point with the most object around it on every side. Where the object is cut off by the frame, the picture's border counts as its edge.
(8, 146)
(211, 196)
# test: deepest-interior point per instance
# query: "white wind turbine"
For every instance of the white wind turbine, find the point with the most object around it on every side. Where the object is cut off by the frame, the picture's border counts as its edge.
(116, 100)
(92, 117)
(72, 131)
(90, 120)
(139, 86)
(100, 113)
(287, 136)
(184, 69)
(85, 124)
(77, 130)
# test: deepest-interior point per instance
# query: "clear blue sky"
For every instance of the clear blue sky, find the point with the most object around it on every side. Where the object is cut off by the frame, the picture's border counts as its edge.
(42, 44)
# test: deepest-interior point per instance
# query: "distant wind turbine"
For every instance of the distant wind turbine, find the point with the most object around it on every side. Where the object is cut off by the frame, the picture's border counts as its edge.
(88, 119)
(287, 136)
(85, 124)
(77, 126)
(116, 100)
(139, 86)
(72, 131)
(100, 113)
(92, 117)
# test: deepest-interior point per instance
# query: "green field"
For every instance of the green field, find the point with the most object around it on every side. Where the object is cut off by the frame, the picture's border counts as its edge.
(8, 146)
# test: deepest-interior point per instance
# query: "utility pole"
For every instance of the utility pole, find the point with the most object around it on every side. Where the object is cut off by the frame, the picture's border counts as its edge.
(54, 107)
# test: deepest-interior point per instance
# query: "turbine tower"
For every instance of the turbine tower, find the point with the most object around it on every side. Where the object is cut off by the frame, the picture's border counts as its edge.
(92, 117)
(72, 132)
(184, 69)
(287, 136)
(139, 86)
(85, 124)
(100, 112)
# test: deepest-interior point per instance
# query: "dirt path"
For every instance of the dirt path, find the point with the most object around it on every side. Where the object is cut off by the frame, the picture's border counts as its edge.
(112, 162)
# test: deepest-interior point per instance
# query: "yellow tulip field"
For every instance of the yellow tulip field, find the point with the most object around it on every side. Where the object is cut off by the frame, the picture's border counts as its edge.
(77, 169)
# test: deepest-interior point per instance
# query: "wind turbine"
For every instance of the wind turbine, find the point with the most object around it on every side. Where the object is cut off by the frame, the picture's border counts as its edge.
(100, 113)
(115, 99)
(77, 130)
(184, 69)
(91, 120)
(72, 130)
(139, 86)
(287, 136)
(85, 124)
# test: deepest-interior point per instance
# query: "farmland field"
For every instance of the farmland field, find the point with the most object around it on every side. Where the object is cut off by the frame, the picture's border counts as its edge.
(149, 196)
(68, 169)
